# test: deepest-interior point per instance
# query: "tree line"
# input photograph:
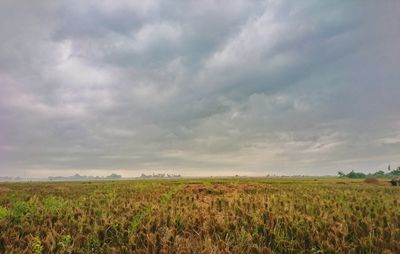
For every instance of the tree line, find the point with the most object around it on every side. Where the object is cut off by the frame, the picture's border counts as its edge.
(378, 174)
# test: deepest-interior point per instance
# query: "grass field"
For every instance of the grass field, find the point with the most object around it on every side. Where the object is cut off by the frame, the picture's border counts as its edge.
(200, 216)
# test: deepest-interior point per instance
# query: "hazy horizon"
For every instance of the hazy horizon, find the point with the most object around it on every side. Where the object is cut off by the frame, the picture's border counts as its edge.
(198, 88)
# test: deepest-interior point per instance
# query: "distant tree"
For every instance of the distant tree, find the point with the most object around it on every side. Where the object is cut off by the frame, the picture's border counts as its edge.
(114, 176)
(379, 173)
(396, 172)
(353, 174)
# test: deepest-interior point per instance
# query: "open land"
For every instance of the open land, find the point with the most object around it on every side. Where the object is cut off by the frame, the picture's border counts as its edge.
(235, 215)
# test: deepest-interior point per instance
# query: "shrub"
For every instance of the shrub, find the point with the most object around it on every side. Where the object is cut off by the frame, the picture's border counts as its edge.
(3, 213)
(54, 204)
(353, 174)
(22, 208)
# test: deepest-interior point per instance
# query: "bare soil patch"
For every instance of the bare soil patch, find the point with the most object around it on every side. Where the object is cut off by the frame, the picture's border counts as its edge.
(61, 188)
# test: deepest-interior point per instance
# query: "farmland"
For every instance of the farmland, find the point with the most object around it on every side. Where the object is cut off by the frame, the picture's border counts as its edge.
(236, 215)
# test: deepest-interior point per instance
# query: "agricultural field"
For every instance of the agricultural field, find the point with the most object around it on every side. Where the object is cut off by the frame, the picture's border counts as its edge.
(236, 215)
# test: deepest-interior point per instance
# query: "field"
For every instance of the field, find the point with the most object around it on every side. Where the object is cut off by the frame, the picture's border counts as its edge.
(234, 215)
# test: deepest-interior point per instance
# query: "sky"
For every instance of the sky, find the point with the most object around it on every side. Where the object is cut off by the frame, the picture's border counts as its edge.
(198, 87)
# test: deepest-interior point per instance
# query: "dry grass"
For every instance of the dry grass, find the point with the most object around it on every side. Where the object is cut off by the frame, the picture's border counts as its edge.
(201, 216)
(4, 189)
(371, 180)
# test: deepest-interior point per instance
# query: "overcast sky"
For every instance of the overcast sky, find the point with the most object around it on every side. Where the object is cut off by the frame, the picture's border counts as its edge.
(198, 87)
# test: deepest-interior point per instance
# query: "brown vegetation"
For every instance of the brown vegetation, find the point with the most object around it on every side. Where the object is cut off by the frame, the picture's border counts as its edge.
(203, 216)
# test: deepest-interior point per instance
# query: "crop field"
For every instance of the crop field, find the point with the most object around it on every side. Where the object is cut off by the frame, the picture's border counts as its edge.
(234, 215)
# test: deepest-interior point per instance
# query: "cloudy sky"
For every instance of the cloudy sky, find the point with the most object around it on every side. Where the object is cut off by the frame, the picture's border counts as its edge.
(198, 87)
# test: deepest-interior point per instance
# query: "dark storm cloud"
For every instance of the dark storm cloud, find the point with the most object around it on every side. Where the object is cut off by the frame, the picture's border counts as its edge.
(215, 87)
